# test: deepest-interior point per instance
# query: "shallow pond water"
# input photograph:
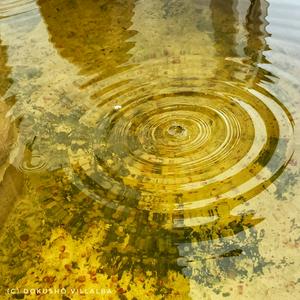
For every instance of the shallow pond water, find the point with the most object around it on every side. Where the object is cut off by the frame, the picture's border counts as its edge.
(149, 149)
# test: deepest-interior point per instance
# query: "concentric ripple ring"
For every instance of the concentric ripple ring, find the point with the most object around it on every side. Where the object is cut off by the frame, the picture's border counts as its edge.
(182, 150)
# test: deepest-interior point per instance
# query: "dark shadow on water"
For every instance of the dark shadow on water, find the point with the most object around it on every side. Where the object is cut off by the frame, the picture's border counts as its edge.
(91, 34)
(225, 24)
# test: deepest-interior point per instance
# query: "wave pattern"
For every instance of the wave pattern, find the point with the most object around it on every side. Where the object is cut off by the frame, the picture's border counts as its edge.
(186, 149)
(159, 118)
(15, 8)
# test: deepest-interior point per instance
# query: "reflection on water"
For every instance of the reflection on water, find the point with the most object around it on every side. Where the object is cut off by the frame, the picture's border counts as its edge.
(11, 179)
(147, 132)
(93, 34)
(256, 28)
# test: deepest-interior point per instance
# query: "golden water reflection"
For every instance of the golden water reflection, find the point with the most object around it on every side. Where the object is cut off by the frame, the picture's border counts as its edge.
(160, 130)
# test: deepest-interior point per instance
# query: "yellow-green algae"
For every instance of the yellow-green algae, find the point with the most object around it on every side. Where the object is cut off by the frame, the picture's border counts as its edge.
(66, 262)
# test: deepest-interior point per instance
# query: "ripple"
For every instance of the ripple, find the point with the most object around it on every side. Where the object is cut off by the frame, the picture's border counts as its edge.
(181, 147)
(13, 8)
(33, 163)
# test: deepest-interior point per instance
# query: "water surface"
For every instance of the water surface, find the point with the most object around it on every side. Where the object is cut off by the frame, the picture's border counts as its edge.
(149, 149)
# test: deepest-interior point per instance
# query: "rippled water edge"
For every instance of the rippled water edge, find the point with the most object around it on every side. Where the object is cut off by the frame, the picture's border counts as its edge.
(57, 185)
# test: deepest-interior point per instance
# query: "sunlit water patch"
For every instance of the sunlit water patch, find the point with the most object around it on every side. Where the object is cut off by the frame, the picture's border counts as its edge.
(13, 8)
